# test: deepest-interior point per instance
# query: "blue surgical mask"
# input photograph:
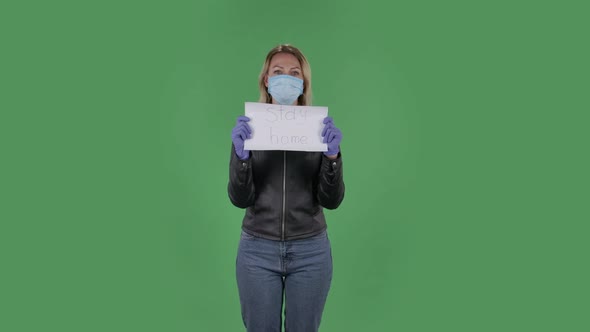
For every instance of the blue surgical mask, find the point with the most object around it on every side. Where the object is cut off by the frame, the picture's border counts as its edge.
(285, 89)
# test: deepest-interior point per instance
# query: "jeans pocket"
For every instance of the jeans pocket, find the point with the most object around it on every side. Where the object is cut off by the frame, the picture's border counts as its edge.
(320, 236)
(247, 236)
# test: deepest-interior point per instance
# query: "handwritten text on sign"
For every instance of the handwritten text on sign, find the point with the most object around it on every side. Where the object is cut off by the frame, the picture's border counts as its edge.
(282, 127)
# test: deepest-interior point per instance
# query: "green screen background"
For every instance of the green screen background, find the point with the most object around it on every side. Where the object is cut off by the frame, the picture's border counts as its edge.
(465, 161)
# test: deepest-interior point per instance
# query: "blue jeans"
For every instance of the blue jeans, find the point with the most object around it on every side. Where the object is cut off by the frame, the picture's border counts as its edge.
(301, 270)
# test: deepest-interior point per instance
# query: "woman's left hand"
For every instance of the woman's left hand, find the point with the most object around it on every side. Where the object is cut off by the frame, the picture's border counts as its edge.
(333, 136)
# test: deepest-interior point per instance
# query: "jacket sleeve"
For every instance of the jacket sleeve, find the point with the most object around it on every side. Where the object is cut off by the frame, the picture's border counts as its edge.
(331, 183)
(241, 185)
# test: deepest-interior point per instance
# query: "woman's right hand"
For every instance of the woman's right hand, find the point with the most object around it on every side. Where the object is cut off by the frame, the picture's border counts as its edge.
(239, 134)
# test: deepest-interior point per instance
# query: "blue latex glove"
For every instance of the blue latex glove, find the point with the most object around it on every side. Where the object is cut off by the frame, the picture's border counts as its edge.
(239, 134)
(332, 136)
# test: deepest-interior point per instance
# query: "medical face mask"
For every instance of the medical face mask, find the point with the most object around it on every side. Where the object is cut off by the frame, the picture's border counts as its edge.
(285, 88)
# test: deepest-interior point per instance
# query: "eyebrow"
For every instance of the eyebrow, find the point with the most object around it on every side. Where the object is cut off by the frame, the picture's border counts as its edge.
(283, 68)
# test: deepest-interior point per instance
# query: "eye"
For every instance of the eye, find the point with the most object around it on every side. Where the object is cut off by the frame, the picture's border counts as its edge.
(295, 73)
(277, 71)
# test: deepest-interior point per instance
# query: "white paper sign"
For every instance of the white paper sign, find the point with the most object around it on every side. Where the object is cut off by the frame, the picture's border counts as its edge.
(282, 127)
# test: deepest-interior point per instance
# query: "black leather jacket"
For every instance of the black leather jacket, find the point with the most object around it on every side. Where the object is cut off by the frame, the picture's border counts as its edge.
(284, 192)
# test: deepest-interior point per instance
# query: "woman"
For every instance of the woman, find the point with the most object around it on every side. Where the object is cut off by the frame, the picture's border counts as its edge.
(284, 249)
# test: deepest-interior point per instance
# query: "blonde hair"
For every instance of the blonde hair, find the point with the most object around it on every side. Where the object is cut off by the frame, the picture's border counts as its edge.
(305, 98)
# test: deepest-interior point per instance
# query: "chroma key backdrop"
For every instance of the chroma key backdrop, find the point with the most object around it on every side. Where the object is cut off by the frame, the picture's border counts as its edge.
(465, 158)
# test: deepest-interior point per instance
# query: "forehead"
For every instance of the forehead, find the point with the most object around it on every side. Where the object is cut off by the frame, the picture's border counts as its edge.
(284, 60)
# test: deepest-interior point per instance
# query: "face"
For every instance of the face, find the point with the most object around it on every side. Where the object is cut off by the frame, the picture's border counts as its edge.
(283, 64)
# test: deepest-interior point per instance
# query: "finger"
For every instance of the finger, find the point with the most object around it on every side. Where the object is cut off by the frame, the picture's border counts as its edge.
(247, 127)
(332, 137)
(242, 118)
(240, 133)
(335, 135)
(242, 136)
(337, 132)
(338, 137)
(328, 119)
(237, 129)
(245, 133)
(243, 126)
(326, 128)
(327, 135)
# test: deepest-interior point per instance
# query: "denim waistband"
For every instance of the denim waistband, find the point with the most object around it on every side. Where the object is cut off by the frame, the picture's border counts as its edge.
(322, 234)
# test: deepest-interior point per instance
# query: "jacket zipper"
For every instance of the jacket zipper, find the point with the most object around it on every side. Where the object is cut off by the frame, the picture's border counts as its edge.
(284, 182)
